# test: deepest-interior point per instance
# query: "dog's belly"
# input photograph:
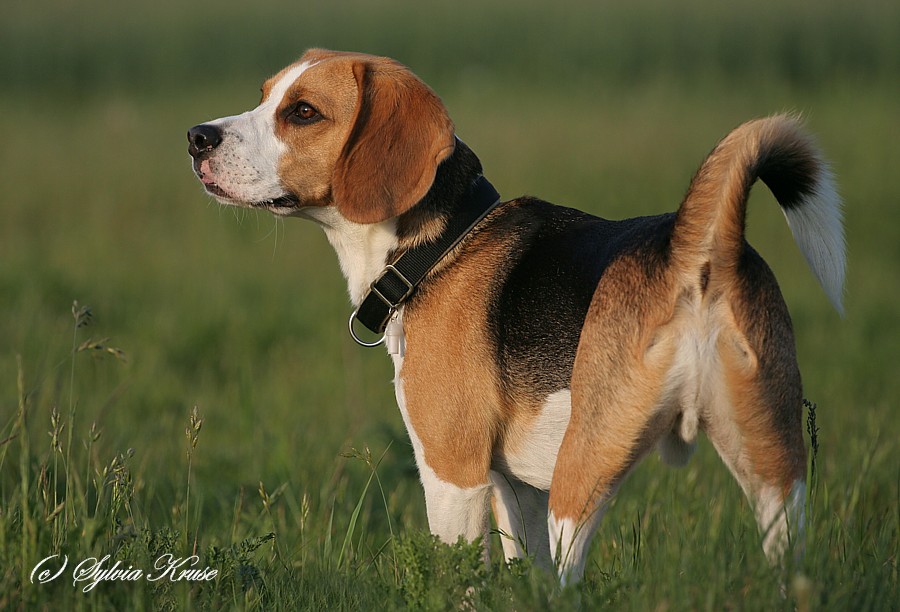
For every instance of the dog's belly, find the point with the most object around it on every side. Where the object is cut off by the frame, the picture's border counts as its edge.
(528, 452)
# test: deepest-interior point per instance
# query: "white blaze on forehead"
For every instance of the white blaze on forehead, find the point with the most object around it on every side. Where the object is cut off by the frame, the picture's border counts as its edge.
(280, 87)
(246, 163)
(265, 112)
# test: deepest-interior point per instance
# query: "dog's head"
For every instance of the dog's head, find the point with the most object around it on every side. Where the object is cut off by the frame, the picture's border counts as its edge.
(357, 132)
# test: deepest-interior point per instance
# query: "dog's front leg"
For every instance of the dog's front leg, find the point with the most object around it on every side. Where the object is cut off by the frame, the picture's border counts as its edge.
(457, 500)
(455, 511)
(521, 514)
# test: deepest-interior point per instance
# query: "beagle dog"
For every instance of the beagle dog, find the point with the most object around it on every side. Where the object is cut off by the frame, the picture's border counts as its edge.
(541, 352)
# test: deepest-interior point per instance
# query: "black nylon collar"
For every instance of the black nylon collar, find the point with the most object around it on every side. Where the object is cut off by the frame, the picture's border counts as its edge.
(398, 281)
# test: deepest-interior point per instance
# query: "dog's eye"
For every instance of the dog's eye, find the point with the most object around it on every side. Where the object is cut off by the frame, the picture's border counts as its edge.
(303, 113)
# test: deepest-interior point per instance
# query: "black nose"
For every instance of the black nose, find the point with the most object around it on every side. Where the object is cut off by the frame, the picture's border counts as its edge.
(203, 138)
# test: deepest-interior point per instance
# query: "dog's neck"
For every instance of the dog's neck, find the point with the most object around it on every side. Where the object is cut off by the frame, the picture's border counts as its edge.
(364, 250)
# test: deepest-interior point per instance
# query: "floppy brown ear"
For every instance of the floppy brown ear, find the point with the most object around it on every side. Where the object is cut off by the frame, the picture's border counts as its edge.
(400, 133)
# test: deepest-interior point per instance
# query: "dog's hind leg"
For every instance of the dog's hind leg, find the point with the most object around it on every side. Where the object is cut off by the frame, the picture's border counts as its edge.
(755, 424)
(620, 383)
(595, 457)
(758, 433)
(770, 470)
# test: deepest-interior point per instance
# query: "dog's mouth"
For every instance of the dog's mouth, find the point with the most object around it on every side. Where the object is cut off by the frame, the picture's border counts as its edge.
(281, 205)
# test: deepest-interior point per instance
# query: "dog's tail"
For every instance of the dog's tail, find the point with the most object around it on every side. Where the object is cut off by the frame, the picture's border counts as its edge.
(709, 228)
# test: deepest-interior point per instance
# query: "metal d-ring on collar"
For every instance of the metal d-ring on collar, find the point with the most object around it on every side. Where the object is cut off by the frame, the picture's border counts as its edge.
(359, 340)
(398, 281)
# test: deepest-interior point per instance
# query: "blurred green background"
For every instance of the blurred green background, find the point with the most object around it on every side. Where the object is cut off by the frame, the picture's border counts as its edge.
(608, 107)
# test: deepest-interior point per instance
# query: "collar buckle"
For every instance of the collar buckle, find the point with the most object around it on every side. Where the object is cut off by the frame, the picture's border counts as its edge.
(388, 288)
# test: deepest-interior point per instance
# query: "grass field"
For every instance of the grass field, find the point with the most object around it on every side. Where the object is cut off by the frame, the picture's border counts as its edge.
(210, 400)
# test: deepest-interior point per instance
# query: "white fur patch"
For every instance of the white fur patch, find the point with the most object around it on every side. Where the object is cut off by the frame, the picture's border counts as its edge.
(533, 460)
(694, 381)
(569, 543)
(781, 521)
(362, 249)
(817, 225)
